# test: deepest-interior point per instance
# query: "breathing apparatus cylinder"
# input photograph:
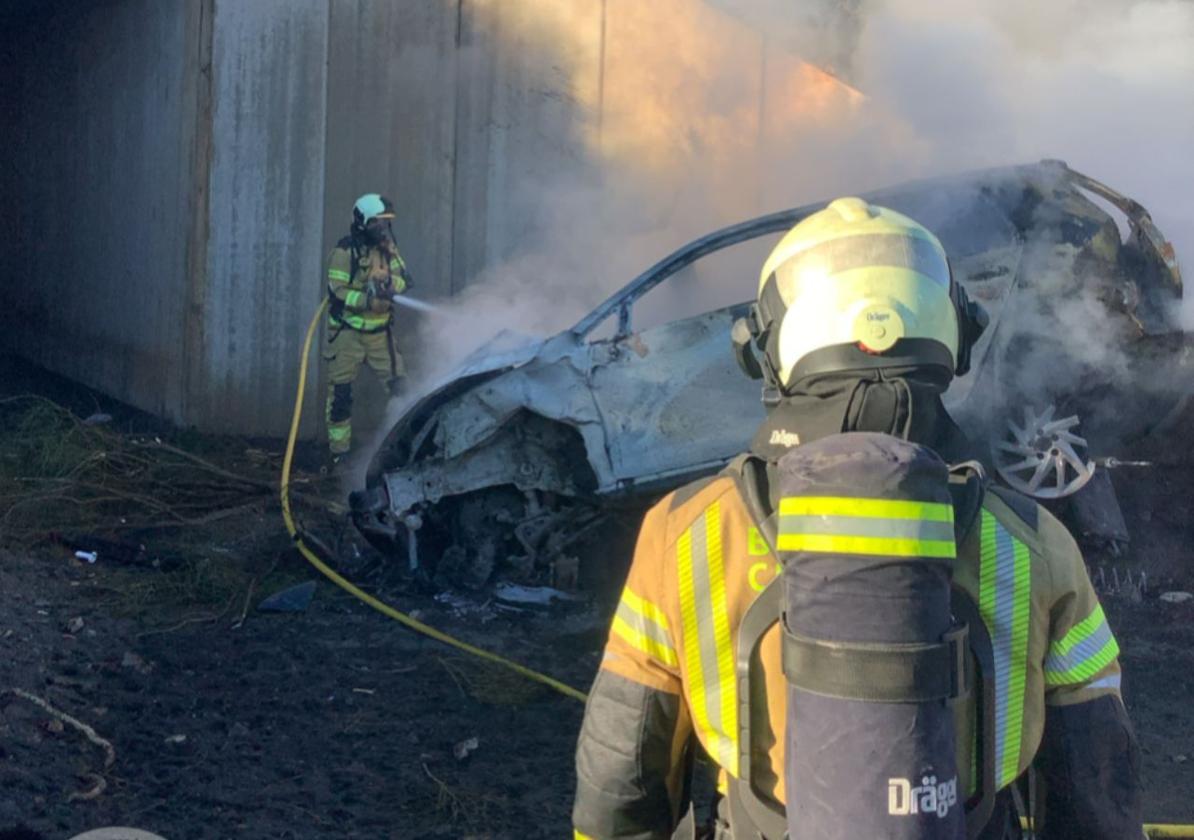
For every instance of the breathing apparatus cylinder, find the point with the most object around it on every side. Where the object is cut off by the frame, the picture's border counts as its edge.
(871, 653)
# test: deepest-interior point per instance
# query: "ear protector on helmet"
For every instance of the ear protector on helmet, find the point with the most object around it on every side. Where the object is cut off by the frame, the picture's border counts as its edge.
(742, 336)
(972, 322)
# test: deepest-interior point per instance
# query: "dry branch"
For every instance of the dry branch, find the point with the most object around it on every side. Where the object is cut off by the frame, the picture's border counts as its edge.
(58, 474)
(99, 784)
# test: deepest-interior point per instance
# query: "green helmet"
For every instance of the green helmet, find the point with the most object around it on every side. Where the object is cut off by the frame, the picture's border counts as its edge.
(854, 288)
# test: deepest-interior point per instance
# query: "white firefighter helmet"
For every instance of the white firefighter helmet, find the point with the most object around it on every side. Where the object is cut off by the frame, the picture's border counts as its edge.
(858, 287)
(371, 206)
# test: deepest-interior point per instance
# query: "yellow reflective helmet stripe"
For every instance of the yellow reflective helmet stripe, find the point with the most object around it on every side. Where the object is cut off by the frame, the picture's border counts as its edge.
(708, 641)
(1086, 649)
(856, 273)
(1005, 600)
(845, 218)
(905, 249)
(644, 626)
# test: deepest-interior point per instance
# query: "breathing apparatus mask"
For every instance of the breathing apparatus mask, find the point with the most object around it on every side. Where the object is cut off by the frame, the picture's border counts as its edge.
(371, 218)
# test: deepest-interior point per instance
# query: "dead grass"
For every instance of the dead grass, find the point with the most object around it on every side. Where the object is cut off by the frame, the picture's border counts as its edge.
(489, 682)
(460, 805)
(58, 473)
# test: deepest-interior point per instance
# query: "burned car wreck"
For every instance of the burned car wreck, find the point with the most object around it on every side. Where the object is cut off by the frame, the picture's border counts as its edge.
(534, 462)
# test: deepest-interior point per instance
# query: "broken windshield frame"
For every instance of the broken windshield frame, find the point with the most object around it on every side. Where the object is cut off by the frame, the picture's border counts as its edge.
(622, 301)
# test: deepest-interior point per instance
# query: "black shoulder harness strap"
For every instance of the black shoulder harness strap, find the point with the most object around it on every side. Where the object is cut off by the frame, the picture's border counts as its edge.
(748, 804)
(1021, 505)
(352, 245)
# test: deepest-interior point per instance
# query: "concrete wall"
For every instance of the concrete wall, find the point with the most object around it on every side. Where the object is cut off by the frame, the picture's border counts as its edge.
(391, 81)
(528, 104)
(458, 109)
(97, 199)
(180, 169)
(265, 212)
(167, 217)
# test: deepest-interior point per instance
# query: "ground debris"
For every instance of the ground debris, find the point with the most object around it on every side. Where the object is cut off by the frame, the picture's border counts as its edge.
(137, 663)
(465, 747)
(98, 783)
(61, 475)
(291, 599)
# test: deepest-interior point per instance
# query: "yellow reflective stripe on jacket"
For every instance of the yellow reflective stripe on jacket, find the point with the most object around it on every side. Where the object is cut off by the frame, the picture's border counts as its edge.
(355, 299)
(708, 642)
(1086, 649)
(1005, 601)
(579, 835)
(843, 525)
(367, 323)
(831, 544)
(644, 626)
(350, 287)
(396, 268)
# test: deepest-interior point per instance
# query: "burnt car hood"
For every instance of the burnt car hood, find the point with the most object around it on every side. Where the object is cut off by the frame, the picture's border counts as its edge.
(507, 349)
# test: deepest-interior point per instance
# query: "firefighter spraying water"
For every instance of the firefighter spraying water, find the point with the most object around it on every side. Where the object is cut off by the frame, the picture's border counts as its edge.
(366, 278)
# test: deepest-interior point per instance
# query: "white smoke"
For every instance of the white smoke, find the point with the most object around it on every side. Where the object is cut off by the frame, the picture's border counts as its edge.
(1104, 85)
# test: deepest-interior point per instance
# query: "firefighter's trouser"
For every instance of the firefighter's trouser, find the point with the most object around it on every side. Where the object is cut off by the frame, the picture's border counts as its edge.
(344, 350)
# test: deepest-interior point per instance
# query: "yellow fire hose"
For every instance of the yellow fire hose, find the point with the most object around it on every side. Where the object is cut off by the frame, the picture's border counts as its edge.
(380, 606)
(1153, 830)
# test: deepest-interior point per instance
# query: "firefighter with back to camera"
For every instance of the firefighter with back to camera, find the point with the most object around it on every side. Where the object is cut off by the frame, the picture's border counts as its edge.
(867, 642)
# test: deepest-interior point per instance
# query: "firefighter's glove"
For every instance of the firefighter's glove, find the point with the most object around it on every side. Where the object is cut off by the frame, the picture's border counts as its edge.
(408, 281)
(377, 296)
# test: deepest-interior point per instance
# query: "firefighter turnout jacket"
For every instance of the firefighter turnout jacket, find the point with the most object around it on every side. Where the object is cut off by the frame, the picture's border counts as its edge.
(668, 671)
(356, 274)
(358, 329)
